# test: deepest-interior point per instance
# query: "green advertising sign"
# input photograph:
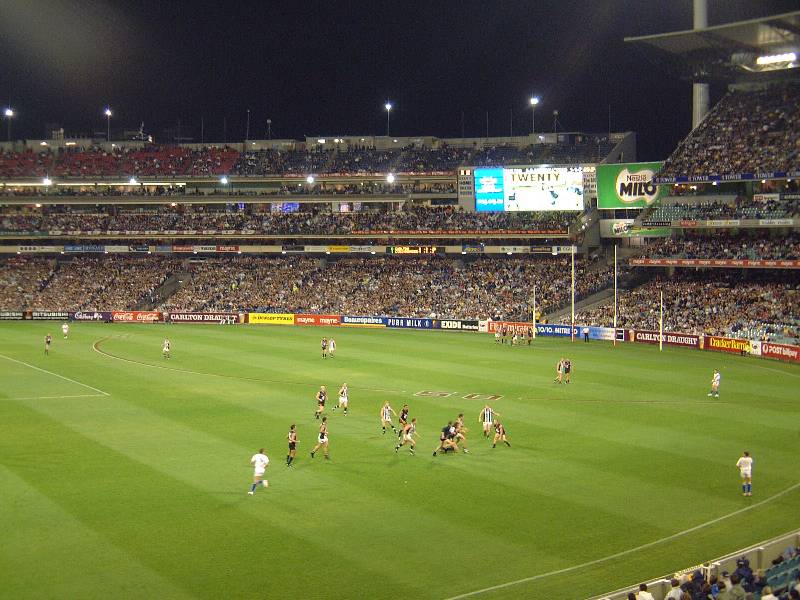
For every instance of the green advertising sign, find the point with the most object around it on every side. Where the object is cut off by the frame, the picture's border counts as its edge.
(628, 185)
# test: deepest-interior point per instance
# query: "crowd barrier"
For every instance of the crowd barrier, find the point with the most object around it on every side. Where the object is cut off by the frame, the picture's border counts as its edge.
(783, 352)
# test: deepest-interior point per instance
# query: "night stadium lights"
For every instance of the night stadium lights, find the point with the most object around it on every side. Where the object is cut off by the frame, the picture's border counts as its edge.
(107, 113)
(772, 59)
(310, 179)
(132, 181)
(9, 112)
(47, 181)
(223, 180)
(534, 101)
(390, 178)
(388, 107)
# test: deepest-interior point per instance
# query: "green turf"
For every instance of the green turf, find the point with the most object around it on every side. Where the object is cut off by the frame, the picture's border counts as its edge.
(142, 492)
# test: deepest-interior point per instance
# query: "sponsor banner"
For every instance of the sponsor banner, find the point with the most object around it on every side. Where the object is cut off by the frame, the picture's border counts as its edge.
(600, 333)
(205, 248)
(136, 316)
(766, 197)
(440, 232)
(624, 228)
(293, 248)
(728, 177)
(139, 248)
(556, 330)
(510, 326)
(456, 325)
(409, 322)
(338, 248)
(349, 321)
(271, 318)
(628, 185)
(776, 222)
(90, 316)
(47, 315)
(515, 249)
(472, 248)
(714, 263)
(227, 248)
(722, 223)
(781, 351)
(755, 347)
(117, 249)
(318, 320)
(362, 249)
(35, 249)
(192, 317)
(671, 339)
(10, 315)
(164, 249)
(182, 248)
(723, 344)
(84, 248)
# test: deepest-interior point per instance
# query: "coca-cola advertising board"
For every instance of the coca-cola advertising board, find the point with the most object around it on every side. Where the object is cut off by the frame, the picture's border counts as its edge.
(136, 316)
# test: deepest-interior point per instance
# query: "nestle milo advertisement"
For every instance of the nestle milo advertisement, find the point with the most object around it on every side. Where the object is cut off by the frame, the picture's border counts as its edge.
(628, 185)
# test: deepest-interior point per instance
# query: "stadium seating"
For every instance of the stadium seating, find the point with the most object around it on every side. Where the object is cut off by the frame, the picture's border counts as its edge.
(741, 208)
(723, 246)
(746, 132)
(762, 306)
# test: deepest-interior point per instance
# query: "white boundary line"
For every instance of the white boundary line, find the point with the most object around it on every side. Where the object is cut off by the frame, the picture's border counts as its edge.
(54, 374)
(597, 561)
(54, 397)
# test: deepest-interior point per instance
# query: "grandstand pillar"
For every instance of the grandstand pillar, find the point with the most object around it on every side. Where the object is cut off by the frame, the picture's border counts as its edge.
(700, 97)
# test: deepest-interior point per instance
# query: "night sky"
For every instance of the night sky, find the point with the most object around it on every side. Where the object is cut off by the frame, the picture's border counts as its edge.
(326, 68)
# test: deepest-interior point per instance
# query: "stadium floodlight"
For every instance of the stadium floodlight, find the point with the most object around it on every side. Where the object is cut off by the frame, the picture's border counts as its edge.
(223, 180)
(132, 181)
(107, 113)
(9, 114)
(388, 107)
(47, 181)
(310, 179)
(534, 101)
(390, 178)
(771, 59)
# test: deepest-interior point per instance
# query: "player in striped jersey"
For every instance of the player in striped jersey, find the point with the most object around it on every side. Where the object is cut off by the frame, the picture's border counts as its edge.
(486, 416)
(407, 436)
(386, 417)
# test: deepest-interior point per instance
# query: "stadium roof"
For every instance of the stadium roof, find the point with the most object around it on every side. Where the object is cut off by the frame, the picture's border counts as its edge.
(754, 50)
(768, 34)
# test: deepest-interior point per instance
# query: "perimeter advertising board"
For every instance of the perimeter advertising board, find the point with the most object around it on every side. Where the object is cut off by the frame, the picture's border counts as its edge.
(356, 321)
(723, 344)
(136, 316)
(318, 320)
(409, 323)
(628, 185)
(91, 316)
(671, 339)
(194, 317)
(270, 318)
(781, 352)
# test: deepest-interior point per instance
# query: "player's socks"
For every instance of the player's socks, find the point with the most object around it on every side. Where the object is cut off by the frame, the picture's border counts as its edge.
(327, 457)
(384, 430)
(253, 487)
(312, 454)
(345, 411)
(434, 452)
(508, 444)
(396, 448)
(493, 445)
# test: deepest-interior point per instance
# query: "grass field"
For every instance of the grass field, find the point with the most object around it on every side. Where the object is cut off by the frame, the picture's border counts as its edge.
(125, 475)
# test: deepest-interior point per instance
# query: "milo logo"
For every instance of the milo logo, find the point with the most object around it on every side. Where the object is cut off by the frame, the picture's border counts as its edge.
(639, 185)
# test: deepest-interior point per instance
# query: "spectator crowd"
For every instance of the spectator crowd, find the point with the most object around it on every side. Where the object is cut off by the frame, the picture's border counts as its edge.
(723, 246)
(746, 132)
(711, 302)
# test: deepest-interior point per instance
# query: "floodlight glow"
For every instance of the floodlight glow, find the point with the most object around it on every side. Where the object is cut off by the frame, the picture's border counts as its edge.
(534, 100)
(310, 179)
(390, 178)
(132, 181)
(47, 181)
(321, 141)
(388, 106)
(43, 143)
(223, 180)
(107, 112)
(776, 58)
(9, 112)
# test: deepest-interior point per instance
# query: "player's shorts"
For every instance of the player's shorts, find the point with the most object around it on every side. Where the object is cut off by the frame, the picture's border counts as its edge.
(258, 473)
(321, 403)
(323, 439)
(343, 400)
(292, 445)
(567, 370)
(408, 438)
(746, 473)
(487, 424)
(386, 418)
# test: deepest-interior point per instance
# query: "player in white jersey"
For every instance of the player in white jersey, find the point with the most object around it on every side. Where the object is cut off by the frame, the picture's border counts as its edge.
(407, 436)
(386, 417)
(331, 347)
(343, 398)
(65, 330)
(486, 416)
(745, 466)
(259, 462)
(498, 335)
(715, 384)
(165, 348)
(322, 440)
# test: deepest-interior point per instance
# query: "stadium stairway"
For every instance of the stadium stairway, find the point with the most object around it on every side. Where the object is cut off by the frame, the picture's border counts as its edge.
(160, 295)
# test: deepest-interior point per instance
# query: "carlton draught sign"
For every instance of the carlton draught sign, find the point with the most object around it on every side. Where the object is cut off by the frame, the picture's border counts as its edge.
(628, 185)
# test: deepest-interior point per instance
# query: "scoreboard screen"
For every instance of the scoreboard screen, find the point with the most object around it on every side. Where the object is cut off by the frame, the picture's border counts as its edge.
(412, 249)
(537, 188)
